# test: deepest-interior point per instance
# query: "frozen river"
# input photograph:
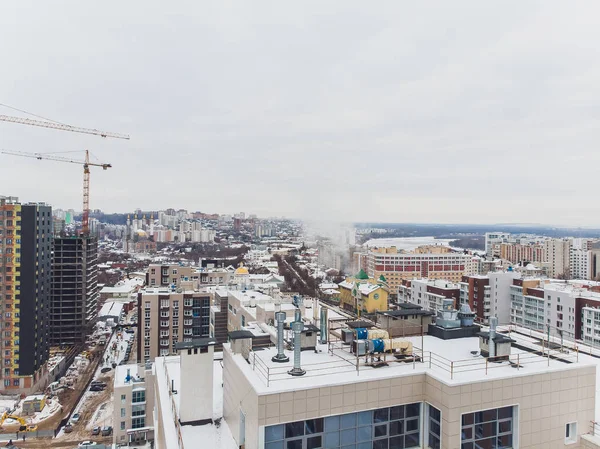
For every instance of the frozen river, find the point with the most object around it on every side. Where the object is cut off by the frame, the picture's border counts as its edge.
(407, 243)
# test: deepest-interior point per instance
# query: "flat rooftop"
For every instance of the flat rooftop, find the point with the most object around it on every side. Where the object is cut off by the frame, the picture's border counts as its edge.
(212, 436)
(453, 362)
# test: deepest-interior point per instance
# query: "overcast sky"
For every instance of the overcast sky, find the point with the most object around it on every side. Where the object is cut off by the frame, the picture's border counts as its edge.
(447, 111)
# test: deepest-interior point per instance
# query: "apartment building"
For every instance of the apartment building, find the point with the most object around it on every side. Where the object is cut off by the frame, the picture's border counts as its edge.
(557, 252)
(174, 274)
(25, 274)
(475, 291)
(429, 293)
(75, 292)
(167, 316)
(396, 266)
(133, 404)
(489, 295)
(518, 253)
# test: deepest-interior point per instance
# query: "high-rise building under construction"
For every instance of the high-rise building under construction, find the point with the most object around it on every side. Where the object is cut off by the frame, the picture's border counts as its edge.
(74, 288)
(25, 273)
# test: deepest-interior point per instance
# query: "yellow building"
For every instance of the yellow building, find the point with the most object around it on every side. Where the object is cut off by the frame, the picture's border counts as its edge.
(362, 294)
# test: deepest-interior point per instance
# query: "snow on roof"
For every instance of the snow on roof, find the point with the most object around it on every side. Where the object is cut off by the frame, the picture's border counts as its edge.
(324, 369)
(216, 437)
(111, 308)
(367, 289)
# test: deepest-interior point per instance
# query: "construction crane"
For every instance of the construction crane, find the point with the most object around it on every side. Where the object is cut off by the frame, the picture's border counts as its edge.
(86, 177)
(60, 126)
(86, 164)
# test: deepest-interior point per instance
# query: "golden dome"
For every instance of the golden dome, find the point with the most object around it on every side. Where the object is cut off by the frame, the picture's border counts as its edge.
(242, 270)
(141, 233)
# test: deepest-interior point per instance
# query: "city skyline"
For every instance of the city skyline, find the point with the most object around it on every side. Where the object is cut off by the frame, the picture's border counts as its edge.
(404, 113)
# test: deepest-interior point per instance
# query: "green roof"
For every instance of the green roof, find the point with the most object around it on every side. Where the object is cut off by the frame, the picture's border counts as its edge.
(361, 275)
(382, 278)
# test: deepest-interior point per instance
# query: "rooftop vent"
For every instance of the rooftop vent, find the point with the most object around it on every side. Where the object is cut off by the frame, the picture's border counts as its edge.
(297, 328)
(280, 357)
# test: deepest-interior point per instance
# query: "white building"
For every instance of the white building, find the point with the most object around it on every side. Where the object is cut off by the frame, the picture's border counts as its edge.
(500, 283)
(133, 404)
(557, 252)
(429, 293)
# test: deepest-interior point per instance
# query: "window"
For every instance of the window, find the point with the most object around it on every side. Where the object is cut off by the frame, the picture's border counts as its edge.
(138, 396)
(374, 429)
(488, 428)
(122, 425)
(571, 433)
(122, 413)
(123, 398)
(434, 427)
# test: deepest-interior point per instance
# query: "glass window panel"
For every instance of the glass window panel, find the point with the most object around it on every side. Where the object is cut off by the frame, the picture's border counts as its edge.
(313, 442)
(363, 434)
(381, 415)
(505, 442)
(413, 410)
(505, 426)
(348, 421)
(397, 443)
(434, 427)
(349, 446)
(489, 443)
(505, 412)
(467, 433)
(434, 413)
(478, 430)
(478, 417)
(274, 445)
(412, 425)
(332, 439)
(490, 415)
(396, 428)
(380, 444)
(274, 433)
(466, 446)
(411, 440)
(434, 442)
(367, 445)
(314, 426)
(294, 429)
(294, 444)
(364, 418)
(380, 431)
(467, 419)
(332, 423)
(489, 429)
(396, 412)
(348, 436)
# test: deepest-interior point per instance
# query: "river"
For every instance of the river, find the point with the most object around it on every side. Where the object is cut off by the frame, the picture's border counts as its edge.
(407, 243)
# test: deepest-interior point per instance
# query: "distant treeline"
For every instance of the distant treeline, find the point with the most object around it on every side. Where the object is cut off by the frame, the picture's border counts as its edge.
(460, 230)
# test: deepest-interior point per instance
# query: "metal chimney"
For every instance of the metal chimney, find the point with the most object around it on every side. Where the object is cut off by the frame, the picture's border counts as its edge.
(298, 315)
(280, 357)
(297, 327)
(492, 344)
(323, 324)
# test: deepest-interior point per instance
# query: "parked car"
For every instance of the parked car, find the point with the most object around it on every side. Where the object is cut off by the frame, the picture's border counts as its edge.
(87, 443)
(106, 369)
(98, 382)
(75, 417)
(97, 388)
(130, 331)
(106, 431)
(96, 430)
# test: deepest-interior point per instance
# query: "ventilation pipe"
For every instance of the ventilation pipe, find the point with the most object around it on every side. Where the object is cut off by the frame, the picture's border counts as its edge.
(323, 324)
(280, 357)
(298, 316)
(297, 327)
(492, 345)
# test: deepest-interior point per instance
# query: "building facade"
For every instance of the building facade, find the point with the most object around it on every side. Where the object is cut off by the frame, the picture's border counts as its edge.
(75, 292)
(168, 316)
(133, 404)
(396, 266)
(363, 294)
(429, 293)
(25, 273)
